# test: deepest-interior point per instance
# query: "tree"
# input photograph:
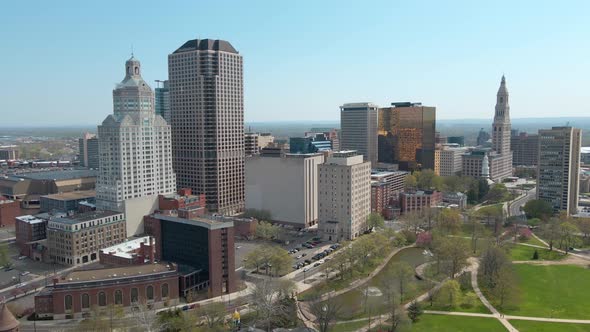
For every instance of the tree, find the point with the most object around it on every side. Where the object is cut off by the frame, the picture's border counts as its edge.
(403, 273)
(535, 255)
(492, 261)
(424, 240)
(326, 313)
(477, 230)
(375, 220)
(568, 236)
(455, 253)
(583, 225)
(268, 301)
(449, 221)
(427, 179)
(495, 214)
(549, 230)
(146, 317)
(4, 261)
(482, 188)
(410, 182)
(498, 193)
(414, 311)
(396, 314)
(412, 221)
(505, 289)
(266, 230)
(257, 214)
(213, 315)
(274, 259)
(537, 208)
(449, 294)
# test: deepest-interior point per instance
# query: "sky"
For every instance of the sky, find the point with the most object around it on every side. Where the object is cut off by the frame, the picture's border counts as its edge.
(60, 60)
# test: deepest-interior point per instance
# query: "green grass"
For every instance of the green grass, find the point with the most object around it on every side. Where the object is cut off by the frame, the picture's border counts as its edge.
(559, 291)
(531, 326)
(533, 240)
(441, 323)
(350, 326)
(525, 253)
(477, 308)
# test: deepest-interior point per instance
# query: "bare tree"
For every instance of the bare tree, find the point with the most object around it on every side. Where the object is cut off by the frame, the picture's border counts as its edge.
(213, 315)
(146, 317)
(268, 300)
(326, 312)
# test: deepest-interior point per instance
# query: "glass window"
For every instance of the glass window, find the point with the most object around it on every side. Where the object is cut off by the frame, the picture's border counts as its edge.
(150, 292)
(68, 302)
(85, 301)
(118, 297)
(165, 290)
(134, 295)
(102, 299)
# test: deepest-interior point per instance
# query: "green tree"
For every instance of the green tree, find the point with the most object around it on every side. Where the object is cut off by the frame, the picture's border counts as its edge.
(456, 254)
(482, 188)
(427, 179)
(274, 259)
(449, 221)
(493, 214)
(568, 236)
(410, 182)
(449, 294)
(403, 273)
(213, 315)
(549, 230)
(537, 208)
(266, 230)
(506, 289)
(477, 230)
(498, 193)
(414, 311)
(375, 220)
(492, 261)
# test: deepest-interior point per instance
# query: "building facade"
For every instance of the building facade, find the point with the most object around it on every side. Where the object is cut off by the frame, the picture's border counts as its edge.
(134, 145)
(78, 239)
(558, 168)
(419, 200)
(251, 146)
(332, 134)
(30, 230)
(162, 101)
(286, 186)
(407, 135)
(88, 151)
(207, 96)
(9, 152)
(358, 129)
(9, 210)
(344, 196)
(451, 161)
(66, 202)
(525, 149)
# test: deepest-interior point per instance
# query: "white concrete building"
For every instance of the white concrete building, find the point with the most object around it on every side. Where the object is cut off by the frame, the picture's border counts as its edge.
(344, 196)
(451, 160)
(134, 148)
(286, 186)
(358, 129)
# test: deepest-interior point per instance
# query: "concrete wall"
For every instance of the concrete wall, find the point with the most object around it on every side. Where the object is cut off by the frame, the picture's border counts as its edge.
(136, 209)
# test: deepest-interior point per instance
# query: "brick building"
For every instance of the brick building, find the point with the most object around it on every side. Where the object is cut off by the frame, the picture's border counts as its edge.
(418, 200)
(75, 295)
(9, 210)
(30, 233)
(184, 202)
(136, 251)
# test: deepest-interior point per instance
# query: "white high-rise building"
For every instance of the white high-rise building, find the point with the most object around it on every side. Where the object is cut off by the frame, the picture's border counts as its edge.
(344, 196)
(135, 149)
(358, 125)
(451, 160)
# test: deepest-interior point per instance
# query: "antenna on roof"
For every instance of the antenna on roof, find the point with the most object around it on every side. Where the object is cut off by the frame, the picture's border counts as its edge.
(132, 50)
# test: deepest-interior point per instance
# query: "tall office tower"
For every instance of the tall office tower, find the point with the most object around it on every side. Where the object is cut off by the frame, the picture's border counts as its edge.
(558, 168)
(407, 135)
(501, 134)
(207, 99)
(358, 125)
(451, 160)
(134, 147)
(88, 151)
(344, 196)
(163, 101)
(524, 149)
(251, 146)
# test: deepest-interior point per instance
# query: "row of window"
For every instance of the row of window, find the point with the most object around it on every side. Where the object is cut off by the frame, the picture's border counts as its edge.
(118, 297)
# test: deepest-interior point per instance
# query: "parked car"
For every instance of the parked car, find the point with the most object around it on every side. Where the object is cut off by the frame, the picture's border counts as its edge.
(307, 261)
(298, 257)
(304, 254)
(317, 264)
(25, 273)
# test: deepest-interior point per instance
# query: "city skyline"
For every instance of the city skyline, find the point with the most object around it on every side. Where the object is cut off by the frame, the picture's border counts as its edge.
(462, 52)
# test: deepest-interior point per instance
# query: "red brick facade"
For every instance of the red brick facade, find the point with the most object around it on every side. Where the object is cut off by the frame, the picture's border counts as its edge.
(416, 201)
(9, 210)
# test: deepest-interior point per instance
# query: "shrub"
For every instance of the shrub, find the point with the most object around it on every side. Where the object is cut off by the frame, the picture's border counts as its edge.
(424, 240)
(469, 300)
(409, 236)
(535, 255)
(524, 234)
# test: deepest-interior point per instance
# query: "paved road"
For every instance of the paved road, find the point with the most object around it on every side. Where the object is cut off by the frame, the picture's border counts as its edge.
(514, 206)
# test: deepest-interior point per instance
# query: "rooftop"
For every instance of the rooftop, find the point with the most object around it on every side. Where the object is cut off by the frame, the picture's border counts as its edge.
(73, 195)
(126, 248)
(117, 272)
(92, 215)
(59, 175)
(30, 219)
(206, 45)
(209, 222)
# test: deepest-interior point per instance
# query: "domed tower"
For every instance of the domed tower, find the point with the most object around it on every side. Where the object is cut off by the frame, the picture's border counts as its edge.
(501, 126)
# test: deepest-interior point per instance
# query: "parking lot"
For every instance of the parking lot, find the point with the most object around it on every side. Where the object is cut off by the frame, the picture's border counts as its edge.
(23, 270)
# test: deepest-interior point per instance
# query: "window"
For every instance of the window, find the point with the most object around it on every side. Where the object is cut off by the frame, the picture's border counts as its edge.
(118, 297)
(85, 301)
(150, 292)
(134, 295)
(68, 302)
(102, 299)
(164, 290)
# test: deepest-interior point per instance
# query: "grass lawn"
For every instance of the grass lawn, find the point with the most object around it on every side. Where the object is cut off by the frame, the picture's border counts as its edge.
(441, 323)
(559, 291)
(531, 326)
(477, 308)
(350, 326)
(534, 240)
(525, 253)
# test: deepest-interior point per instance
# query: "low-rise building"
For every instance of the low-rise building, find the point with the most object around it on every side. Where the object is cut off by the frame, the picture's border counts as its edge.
(184, 203)
(134, 251)
(66, 202)
(77, 294)
(30, 235)
(385, 188)
(77, 239)
(455, 198)
(419, 200)
(9, 210)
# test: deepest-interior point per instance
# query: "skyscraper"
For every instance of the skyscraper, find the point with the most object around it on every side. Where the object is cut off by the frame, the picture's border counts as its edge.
(558, 168)
(407, 135)
(134, 146)
(207, 102)
(163, 101)
(88, 151)
(358, 123)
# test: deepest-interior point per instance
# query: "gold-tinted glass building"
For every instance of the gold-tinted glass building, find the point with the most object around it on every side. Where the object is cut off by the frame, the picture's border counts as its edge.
(407, 135)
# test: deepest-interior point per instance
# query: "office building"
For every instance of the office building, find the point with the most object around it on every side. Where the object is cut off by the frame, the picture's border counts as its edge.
(451, 160)
(483, 137)
(79, 293)
(207, 96)
(385, 189)
(558, 168)
(525, 149)
(407, 135)
(88, 151)
(251, 146)
(286, 186)
(419, 200)
(202, 246)
(30, 231)
(77, 239)
(331, 134)
(66, 202)
(358, 125)
(459, 140)
(457, 199)
(9, 152)
(310, 144)
(135, 147)
(162, 100)
(135, 251)
(344, 196)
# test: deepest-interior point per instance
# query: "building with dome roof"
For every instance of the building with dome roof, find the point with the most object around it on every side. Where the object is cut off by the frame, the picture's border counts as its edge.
(7, 321)
(135, 152)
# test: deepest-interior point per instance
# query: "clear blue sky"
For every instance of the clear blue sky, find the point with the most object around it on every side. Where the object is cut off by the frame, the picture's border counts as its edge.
(61, 59)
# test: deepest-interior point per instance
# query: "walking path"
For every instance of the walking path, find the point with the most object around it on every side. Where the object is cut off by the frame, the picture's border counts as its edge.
(537, 319)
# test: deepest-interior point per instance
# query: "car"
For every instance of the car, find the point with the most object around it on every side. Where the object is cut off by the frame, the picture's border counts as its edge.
(317, 264)
(21, 258)
(22, 284)
(304, 254)
(306, 269)
(321, 261)
(238, 247)
(8, 268)
(25, 273)
(298, 257)
(295, 267)
(307, 261)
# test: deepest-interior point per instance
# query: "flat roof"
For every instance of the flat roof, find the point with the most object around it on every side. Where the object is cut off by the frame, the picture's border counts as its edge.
(124, 249)
(92, 215)
(116, 272)
(59, 175)
(72, 195)
(209, 222)
(29, 219)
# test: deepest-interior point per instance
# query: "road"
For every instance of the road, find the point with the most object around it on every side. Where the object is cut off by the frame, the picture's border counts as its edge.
(514, 207)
